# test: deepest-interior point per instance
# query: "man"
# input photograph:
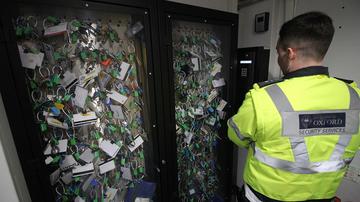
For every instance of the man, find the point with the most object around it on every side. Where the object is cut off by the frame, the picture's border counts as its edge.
(302, 131)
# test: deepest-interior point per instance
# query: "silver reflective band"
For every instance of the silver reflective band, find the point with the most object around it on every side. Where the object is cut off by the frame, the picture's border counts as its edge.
(291, 128)
(236, 129)
(301, 167)
(250, 195)
(291, 123)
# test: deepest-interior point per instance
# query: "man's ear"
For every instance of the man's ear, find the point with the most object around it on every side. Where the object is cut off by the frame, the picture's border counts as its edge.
(291, 53)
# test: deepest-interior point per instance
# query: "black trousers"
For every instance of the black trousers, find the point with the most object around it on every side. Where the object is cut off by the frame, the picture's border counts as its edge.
(242, 198)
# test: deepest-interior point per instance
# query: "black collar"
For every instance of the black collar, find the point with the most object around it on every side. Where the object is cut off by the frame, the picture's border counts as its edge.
(307, 71)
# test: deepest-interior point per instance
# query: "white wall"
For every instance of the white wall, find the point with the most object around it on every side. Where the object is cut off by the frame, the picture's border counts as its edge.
(12, 183)
(223, 5)
(248, 37)
(343, 57)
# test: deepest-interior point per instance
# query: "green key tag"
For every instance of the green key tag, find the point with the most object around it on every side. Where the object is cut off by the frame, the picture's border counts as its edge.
(123, 162)
(117, 176)
(77, 179)
(76, 23)
(141, 155)
(141, 170)
(77, 191)
(57, 56)
(97, 154)
(43, 127)
(73, 141)
(97, 135)
(19, 31)
(56, 159)
(83, 55)
(105, 181)
(33, 85)
(77, 156)
(136, 173)
(65, 198)
(74, 38)
(112, 128)
(66, 98)
(110, 115)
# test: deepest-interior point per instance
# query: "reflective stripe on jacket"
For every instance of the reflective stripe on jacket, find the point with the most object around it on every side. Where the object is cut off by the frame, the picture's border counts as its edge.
(302, 133)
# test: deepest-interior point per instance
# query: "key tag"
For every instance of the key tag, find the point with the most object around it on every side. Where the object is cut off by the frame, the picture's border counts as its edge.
(53, 27)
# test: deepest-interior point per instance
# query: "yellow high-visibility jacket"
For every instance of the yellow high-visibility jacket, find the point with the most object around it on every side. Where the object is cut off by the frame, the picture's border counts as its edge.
(301, 132)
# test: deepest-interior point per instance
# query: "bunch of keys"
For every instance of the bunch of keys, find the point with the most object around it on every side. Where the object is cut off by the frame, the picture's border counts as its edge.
(83, 79)
(198, 109)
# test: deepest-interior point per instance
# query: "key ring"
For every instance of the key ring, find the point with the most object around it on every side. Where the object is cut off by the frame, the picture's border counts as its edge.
(56, 67)
(33, 96)
(29, 18)
(41, 72)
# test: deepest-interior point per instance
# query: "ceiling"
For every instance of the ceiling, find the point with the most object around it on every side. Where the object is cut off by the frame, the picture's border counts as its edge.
(243, 3)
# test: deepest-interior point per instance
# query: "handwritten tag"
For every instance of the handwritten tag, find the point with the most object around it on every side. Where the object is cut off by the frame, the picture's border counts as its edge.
(218, 83)
(56, 30)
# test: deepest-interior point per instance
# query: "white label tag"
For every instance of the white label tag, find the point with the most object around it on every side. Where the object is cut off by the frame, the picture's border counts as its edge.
(79, 199)
(211, 54)
(212, 95)
(62, 147)
(211, 121)
(191, 191)
(84, 119)
(118, 113)
(30, 60)
(126, 173)
(55, 30)
(196, 63)
(48, 160)
(54, 177)
(198, 111)
(110, 194)
(124, 67)
(221, 105)
(136, 143)
(106, 167)
(68, 162)
(67, 178)
(86, 169)
(117, 97)
(188, 137)
(138, 199)
(69, 80)
(87, 156)
(109, 148)
(86, 78)
(216, 69)
(80, 96)
(218, 83)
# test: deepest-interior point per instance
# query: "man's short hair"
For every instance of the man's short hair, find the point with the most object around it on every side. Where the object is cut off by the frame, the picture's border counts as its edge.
(311, 33)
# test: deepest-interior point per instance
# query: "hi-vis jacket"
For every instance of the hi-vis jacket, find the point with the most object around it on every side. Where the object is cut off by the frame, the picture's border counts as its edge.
(301, 133)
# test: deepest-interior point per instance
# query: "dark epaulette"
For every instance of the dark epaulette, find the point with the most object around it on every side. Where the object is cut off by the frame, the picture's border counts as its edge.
(345, 80)
(269, 82)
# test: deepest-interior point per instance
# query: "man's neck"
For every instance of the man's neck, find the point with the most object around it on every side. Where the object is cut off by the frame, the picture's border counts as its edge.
(301, 65)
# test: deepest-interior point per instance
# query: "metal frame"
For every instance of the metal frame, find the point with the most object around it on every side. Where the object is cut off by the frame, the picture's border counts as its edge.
(18, 107)
(173, 11)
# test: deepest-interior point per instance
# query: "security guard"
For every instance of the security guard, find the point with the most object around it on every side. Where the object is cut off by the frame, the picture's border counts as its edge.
(302, 131)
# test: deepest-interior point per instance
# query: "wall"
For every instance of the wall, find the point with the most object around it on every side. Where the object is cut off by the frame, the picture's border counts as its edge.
(12, 184)
(223, 5)
(343, 57)
(248, 37)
